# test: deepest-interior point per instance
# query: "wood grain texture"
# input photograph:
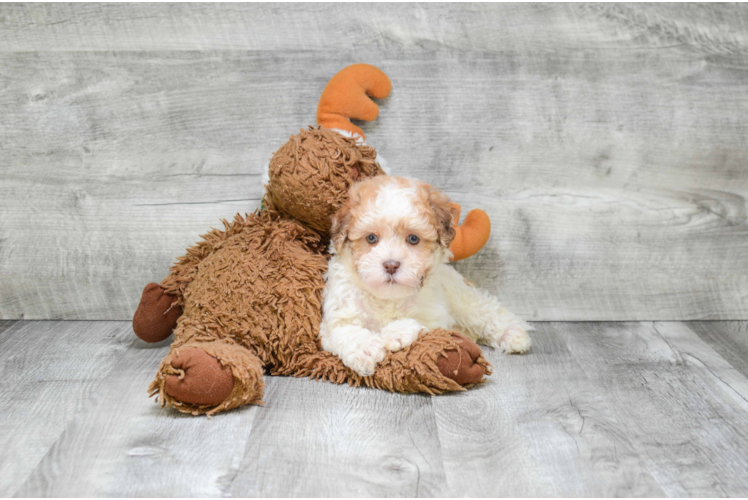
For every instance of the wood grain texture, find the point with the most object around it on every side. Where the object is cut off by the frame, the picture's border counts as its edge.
(541, 426)
(48, 370)
(4, 325)
(365, 443)
(392, 27)
(680, 403)
(606, 142)
(595, 409)
(122, 444)
(728, 338)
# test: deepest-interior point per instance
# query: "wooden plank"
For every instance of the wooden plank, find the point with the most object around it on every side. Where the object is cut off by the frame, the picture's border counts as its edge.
(111, 173)
(5, 325)
(680, 404)
(122, 444)
(48, 370)
(728, 338)
(539, 427)
(318, 439)
(595, 409)
(465, 27)
(614, 254)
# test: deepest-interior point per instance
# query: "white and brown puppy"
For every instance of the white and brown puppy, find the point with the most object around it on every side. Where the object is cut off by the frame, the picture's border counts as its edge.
(389, 279)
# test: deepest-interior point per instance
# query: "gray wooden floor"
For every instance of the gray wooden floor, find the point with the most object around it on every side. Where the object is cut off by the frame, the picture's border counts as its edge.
(640, 408)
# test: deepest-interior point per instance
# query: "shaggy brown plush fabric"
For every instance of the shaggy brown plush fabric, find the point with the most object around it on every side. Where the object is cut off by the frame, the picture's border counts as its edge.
(252, 294)
(413, 369)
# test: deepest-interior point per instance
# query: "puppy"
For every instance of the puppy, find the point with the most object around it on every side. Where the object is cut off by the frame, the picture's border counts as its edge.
(388, 278)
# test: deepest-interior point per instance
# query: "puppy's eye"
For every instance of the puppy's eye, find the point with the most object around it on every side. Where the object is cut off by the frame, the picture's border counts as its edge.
(413, 239)
(372, 238)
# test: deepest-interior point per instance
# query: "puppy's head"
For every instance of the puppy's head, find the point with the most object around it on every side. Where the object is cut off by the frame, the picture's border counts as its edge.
(392, 232)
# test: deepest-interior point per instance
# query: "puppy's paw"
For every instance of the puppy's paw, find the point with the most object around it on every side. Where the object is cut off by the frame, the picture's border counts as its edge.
(400, 334)
(515, 341)
(364, 360)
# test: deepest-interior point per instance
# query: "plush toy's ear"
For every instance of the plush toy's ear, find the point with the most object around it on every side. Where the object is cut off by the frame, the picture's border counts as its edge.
(347, 96)
(472, 235)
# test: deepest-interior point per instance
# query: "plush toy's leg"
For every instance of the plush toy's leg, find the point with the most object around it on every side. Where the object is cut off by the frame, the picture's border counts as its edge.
(208, 377)
(157, 314)
(161, 304)
(439, 361)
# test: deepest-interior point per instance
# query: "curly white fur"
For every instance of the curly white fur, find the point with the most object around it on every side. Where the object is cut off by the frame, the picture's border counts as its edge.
(368, 311)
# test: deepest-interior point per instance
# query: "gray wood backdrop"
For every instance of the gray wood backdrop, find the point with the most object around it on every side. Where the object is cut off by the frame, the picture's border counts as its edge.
(609, 143)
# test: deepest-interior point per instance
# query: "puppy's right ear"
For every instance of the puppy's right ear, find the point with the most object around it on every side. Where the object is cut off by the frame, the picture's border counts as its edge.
(445, 213)
(341, 220)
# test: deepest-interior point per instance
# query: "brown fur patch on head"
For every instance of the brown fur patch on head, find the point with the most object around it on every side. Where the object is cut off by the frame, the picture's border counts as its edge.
(443, 212)
(341, 220)
(311, 174)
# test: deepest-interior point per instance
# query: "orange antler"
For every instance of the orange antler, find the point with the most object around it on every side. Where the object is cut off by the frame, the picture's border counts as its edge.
(472, 235)
(347, 96)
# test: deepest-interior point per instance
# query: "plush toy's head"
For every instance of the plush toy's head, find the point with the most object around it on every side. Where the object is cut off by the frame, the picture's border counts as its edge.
(311, 173)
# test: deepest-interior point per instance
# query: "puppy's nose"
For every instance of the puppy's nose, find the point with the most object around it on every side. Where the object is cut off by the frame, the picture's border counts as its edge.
(391, 266)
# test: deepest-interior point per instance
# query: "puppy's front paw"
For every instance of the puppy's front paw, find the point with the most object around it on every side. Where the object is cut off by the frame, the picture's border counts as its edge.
(364, 360)
(400, 334)
(515, 341)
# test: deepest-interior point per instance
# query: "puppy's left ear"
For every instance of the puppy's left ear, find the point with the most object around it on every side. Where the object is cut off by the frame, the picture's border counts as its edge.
(444, 212)
(340, 223)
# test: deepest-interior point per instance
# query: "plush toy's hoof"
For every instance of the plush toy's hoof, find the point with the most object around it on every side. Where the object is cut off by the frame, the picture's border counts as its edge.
(462, 366)
(155, 317)
(204, 382)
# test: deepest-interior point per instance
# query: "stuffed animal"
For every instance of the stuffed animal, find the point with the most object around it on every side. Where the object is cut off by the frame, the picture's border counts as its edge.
(246, 300)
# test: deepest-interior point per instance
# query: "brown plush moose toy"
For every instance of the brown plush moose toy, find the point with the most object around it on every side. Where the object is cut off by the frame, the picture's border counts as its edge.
(247, 300)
